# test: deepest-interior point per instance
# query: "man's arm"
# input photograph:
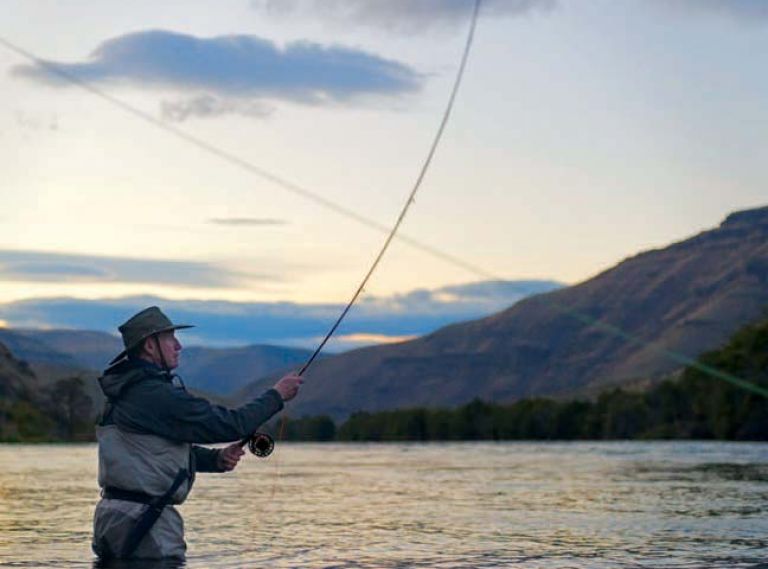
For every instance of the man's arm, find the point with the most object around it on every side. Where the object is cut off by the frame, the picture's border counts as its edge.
(171, 412)
(157, 407)
(207, 459)
(217, 460)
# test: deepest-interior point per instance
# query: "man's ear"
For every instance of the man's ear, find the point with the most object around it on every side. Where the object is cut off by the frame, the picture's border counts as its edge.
(148, 347)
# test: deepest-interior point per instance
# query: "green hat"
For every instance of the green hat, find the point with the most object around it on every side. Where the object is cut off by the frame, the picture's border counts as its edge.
(141, 326)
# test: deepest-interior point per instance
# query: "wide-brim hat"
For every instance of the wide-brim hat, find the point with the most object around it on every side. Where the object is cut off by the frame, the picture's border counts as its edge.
(141, 326)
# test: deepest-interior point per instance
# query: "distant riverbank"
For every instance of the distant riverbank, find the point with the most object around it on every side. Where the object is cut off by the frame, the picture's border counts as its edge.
(693, 406)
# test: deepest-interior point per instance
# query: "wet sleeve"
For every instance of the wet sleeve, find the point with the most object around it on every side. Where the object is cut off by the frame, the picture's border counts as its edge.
(172, 412)
(206, 459)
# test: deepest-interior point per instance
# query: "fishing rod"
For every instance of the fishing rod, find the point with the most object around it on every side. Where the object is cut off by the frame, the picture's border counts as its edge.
(261, 444)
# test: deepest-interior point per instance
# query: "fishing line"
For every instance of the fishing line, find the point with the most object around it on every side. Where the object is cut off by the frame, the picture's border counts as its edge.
(416, 186)
(403, 212)
(669, 354)
(236, 160)
(344, 211)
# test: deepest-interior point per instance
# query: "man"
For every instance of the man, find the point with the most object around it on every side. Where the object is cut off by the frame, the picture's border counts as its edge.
(147, 434)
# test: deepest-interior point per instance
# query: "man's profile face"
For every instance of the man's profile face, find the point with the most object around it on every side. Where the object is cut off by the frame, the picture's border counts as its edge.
(171, 349)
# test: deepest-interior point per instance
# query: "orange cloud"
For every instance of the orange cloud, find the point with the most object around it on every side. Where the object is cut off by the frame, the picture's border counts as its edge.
(366, 338)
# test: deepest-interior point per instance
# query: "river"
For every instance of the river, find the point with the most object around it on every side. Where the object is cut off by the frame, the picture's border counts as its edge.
(528, 505)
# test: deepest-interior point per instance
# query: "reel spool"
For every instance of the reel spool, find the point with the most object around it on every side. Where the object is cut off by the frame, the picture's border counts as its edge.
(261, 445)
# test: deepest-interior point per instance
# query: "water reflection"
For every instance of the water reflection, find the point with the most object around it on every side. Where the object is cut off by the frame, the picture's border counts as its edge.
(739, 472)
(750, 472)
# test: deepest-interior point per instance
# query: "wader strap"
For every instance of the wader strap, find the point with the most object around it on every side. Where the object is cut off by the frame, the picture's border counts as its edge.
(150, 515)
(110, 493)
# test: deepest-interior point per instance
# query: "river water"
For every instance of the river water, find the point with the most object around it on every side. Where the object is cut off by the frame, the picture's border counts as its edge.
(528, 505)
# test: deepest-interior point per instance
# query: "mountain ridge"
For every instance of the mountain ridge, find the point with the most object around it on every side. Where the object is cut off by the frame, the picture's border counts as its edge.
(687, 297)
(57, 354)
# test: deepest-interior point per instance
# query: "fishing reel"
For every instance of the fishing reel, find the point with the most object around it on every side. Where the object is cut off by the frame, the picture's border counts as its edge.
(261, 445)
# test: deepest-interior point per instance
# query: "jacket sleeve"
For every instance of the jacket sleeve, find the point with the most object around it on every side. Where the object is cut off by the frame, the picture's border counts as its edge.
(162, 409)
(206, 459)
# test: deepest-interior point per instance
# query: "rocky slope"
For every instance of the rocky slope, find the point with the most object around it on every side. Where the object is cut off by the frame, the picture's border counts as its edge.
(17, 380)
(615, 328)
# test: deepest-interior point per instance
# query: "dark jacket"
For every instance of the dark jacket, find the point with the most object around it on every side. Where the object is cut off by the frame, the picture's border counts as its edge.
(142, 398)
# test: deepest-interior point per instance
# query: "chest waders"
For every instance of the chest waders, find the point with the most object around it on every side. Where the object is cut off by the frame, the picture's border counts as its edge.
(155, 504)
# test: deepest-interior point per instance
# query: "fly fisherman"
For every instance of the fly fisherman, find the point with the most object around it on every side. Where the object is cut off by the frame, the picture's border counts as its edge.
(147, 435)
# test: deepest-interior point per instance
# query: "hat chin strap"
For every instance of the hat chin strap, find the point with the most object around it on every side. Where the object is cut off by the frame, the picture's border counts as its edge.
(167, 369)
(163, 363)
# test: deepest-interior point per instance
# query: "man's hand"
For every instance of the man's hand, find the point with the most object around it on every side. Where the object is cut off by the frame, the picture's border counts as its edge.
(288, 386)
(229, 457)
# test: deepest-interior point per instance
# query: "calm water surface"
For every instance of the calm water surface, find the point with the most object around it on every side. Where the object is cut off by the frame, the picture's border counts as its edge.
(555, 506)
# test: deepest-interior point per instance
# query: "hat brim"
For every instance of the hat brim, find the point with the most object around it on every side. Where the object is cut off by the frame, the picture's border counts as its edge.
(122, 354)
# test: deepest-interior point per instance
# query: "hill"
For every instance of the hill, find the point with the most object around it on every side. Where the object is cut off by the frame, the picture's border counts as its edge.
(33, 411)
(70, 350)
(17, 380)
(225, 370)
(692, 405)
(687, 298)
(58, 354)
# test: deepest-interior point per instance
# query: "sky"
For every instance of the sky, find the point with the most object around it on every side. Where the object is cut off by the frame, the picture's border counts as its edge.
(585, 131)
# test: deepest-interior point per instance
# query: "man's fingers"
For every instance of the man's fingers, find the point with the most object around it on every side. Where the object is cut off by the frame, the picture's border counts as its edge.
(288, 386)
(234, 453)
(230, 456)
(234, 450)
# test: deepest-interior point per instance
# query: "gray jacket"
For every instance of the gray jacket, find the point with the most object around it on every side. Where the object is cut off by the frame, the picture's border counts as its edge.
(151, 403)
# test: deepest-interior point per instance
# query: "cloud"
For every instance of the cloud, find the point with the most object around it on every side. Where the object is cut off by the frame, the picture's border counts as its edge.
(37, 122)
(350, 341)
(208, 106)
(409, 16)
(465, 299)
(222, 323)
(34, 266)
(230, 74)
(741, 10)
(246, 221)
(397, 15)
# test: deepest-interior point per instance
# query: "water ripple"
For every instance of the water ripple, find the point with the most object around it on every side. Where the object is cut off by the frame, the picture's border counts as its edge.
(527, 505)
